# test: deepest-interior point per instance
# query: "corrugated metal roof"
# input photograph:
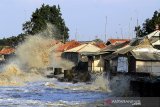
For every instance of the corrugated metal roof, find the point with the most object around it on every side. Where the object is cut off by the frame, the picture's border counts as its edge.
(125, 49)
(138, 43)
(84, 48)
(129, 48)
(146, 56)
(139, 55)
(113, 48)
(135, 41)
(141, 49)
(146, 49)
(154, 34)
(156, 43)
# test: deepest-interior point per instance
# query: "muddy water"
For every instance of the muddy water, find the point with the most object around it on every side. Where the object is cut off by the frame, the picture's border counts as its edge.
(50, 93)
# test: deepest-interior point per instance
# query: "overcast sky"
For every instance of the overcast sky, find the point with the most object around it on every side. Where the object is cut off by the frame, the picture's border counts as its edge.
(87, 16)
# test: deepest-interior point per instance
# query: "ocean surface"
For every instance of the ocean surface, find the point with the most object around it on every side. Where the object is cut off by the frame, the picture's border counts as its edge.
(52, 93)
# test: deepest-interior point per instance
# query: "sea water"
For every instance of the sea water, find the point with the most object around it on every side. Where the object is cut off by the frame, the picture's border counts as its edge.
(50, 93)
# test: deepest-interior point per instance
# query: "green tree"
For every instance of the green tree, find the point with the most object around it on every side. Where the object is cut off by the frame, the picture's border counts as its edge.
(97, 40)
(139, 32)
(47, 14)
(13, 40)
(149, 25)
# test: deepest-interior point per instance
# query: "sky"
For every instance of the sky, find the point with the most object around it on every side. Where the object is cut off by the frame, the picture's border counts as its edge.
(86, 19)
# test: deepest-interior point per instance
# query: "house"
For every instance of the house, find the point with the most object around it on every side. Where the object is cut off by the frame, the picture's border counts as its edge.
(109, 50)
(138, 56)
(116, 41)
(94, 57)
(104, 52)
(154, 38)
(78, 55)
(68, 45)
(114, 47)
(84, 42)
(53, 45)
(95, 63)
(6, 53)
(100, 45)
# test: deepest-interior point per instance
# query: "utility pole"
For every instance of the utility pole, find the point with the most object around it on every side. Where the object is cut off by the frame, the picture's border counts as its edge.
(76, 34)
(137, 22)
(105, 29)
(122, 32)
(129, 32)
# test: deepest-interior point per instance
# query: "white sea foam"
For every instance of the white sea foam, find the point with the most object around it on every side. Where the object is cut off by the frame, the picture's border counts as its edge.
(33, 56)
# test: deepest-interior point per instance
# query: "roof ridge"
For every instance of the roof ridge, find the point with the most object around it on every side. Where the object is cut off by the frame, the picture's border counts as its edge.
(82, 47)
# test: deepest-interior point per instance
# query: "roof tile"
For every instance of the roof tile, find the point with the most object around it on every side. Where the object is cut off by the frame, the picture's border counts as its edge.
(6, 51)
(68, 45)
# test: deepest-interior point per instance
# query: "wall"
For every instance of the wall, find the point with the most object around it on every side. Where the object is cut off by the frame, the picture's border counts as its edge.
(96, 64)
(113, 65)
(71, 56)
(119, 64)
(148, 66)
(122, 64)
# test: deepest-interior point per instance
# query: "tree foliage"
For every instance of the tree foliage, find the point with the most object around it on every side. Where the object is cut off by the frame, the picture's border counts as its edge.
(12, 41)
(97, 40)
(149, 25)
(47, 14)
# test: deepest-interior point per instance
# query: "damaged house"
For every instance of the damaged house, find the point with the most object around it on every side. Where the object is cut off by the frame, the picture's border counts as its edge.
(6, 53)
(78, 55)
(64, 47)
(154, 38)
(138, 56)
(116, 41)
(96, 59)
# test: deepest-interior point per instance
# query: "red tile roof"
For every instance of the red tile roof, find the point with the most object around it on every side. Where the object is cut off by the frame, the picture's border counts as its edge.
(68, 45)
(114, 41)
(100, 45)
(6, 51)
